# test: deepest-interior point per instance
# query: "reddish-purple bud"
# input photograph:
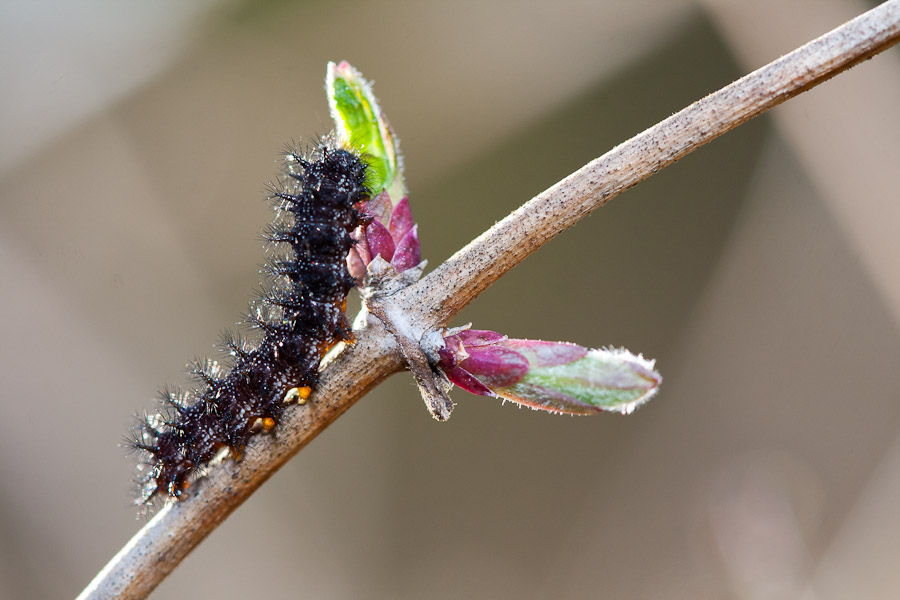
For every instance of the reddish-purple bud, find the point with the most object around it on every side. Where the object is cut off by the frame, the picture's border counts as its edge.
(408, 253)
(401, 219)
(379, 208)
(474, 360)
(554, 376)
(390, 233)
(379, 242)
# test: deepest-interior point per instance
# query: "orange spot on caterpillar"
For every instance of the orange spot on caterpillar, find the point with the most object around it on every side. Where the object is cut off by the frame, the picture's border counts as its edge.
(298, 395)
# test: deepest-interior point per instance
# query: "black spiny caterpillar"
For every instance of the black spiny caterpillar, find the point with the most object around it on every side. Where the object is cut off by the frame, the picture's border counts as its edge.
(300, 315)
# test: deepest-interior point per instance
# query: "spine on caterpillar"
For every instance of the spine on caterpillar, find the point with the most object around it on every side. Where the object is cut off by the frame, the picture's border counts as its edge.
(299, 316)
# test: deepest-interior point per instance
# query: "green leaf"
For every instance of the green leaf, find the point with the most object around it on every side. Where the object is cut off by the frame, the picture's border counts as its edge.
(603, 380)
(362, 127)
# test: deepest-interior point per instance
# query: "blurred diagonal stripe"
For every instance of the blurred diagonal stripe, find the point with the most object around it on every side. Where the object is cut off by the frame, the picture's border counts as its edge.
(855, 115)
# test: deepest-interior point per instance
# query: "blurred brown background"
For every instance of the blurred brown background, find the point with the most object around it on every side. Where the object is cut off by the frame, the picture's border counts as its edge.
(761, 272)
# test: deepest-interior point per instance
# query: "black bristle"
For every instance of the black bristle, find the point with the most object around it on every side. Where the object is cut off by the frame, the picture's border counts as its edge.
(299, 313)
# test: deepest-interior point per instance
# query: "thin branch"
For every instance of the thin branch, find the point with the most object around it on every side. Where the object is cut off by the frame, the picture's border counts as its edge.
(432, 302)
(179, 526)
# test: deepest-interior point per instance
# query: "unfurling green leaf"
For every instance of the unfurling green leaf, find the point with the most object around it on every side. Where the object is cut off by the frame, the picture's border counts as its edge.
(361, 126)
